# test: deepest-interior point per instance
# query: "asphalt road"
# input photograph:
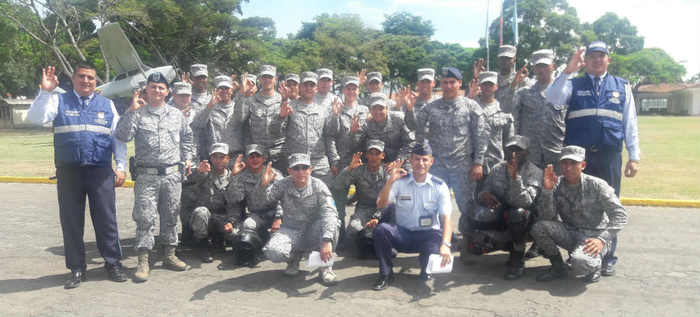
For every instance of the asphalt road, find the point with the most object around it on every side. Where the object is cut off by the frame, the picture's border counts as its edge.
(658, 275)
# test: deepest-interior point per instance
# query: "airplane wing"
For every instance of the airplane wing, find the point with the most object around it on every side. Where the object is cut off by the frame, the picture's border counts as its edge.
(118, 51)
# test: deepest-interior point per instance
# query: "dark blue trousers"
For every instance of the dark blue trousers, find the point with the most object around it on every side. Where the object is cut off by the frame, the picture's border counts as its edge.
(606, 164)
(97, 183)
(387, 236)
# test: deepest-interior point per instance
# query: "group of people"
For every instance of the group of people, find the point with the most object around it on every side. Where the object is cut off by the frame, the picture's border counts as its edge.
(266, 166)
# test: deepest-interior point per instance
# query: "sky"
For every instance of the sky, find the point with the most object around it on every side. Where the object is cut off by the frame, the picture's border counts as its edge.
(670, 24)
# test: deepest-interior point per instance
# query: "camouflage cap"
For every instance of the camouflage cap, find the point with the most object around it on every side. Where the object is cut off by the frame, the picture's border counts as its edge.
(182, 88)
(255, 148)
(157, 77)
(452, 72)
(520, 141)
(309, 76)
(299, 159)
(377, 99)
(223, 81)
(219, 148)
(324, 73)
(422, 149)
(268, 70)
(351, 80)
(426, 73)
(197, 70)
(597, 46)
(507, 51)
(545, 56)
(292, 77)
(252, 78)
(573, 152)
(374, 76)
(375, 144)
(488, 77)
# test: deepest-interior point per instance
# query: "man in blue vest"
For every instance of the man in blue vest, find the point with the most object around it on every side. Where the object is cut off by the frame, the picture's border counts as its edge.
(83, 123)
(601, 115)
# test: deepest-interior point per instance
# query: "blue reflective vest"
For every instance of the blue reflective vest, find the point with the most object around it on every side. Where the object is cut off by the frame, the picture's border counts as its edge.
(82, 135)
(594, 119)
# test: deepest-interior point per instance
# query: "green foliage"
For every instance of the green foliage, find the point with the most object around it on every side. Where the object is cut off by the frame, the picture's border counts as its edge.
(647, 66)
(404, 23)
(620, 35)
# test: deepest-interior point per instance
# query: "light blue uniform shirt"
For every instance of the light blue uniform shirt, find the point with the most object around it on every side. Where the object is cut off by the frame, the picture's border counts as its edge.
(415, 200)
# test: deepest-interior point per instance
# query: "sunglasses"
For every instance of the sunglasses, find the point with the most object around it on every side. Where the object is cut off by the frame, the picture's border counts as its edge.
(300, 167)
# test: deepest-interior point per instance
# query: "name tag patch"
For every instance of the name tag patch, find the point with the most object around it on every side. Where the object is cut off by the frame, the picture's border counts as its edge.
(404, 197)
(426, 221)
(582, 93)
(72, 113)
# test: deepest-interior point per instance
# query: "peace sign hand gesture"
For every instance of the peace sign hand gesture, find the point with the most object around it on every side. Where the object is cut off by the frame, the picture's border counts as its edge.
(576, 62)
(268, 175)
(355, 124)
(238, 165)
(356, 161)
(285, 109)
(520, 76)
(550, 179)
(136, 101)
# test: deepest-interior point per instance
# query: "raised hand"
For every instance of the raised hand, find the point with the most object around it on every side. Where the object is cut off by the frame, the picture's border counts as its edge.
(238, 165)
(49, 80)
(285, 109)
(363, 76)
(234, 83)
(474, 89)
(283, 90)
(215, 99)
(355, 124)
(576, 62)
(410, 100)
(396, 173)
(136, 101)
(513, 166)
(356, 161)
(478, 67)
(520, 76)
(185, 77)
(276, 225)
(245, 84)
(204, 167)
(337, 106)
(268, 175)
(550, 179)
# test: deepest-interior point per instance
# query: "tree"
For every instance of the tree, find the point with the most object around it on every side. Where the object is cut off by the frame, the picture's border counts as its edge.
(618, 33)
(647, 66)
(404, 23)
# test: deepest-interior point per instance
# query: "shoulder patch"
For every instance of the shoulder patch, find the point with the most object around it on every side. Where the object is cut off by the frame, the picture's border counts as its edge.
(437, 180)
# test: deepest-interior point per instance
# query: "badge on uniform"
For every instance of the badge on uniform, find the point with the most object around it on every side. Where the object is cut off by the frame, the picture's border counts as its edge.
(72, 113)
(425, 221)
(404, 197)
(615, 97)
(100, 115)
(101, 118)
(583, 93)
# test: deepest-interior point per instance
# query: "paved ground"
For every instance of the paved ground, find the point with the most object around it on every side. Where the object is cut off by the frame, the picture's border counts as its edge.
(659, 275)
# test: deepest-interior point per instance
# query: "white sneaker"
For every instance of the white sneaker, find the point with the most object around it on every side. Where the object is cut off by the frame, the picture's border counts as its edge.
(327, 275)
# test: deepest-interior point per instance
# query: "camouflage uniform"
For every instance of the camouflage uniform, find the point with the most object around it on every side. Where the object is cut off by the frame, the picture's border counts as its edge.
(163, 140)
(458, 135)
(542, 122)
(213, 209)
(309, 217)
(209, 126)
(254, 122)
(308, 129)
(348, 143)
(393, 132)
(260, 214)
(505, 93)
(410, 116)
(500, 126)
(587, 210)
(367, 188)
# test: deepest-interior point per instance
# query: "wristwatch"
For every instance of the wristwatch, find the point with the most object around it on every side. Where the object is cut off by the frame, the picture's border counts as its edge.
(447, 244)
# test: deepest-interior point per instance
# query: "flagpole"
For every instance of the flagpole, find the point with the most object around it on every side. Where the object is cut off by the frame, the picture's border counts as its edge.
(515, 22)
(488, 55)
(500, 25)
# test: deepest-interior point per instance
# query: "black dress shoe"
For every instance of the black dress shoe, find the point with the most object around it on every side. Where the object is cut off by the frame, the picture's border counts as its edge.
(115, 272)
(76, 276)
(514, 272)
(608, 269)
(383, 282)
(593, 277)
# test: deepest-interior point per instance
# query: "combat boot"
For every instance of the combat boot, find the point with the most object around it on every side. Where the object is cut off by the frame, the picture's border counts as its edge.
(293, 264)
(172, 262)
(557, 271)
(143, 269)
(515, 266)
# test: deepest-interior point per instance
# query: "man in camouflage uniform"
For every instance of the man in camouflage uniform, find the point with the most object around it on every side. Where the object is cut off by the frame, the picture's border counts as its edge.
(504, 215)
(308, 128)
(499, 123)
(199, 75)
(310, 221)
(292, 85)
(424, 86)
(591, 216)
(214, 219)
(324, 95)
(368, 180)
(374, 85)
(347, 143)
(458, 136)
(256, 118)
(164, 150)
(509, 81)
(538, 119)
(386, 126)
(261, 216)
(209, 126)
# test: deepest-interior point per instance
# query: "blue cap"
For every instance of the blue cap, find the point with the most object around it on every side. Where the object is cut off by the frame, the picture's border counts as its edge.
(597, 46)
(451, 72)
(157, 77)
(422, 149)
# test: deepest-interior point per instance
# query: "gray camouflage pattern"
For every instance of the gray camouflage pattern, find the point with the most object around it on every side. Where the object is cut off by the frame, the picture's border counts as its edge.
(242, 190)
(505, 93)
(256, 120)
(393, 132)
(209, 126)
(520, 192)
(500, 127)
(367, 188)
(156, 196)
(410, 116)
(348, 143)
(289, 240)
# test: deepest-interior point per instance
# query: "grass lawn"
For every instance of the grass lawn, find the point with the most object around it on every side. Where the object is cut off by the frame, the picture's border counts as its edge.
(670, 157)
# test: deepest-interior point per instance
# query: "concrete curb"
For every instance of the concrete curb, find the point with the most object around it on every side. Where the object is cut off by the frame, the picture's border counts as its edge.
(625, 201)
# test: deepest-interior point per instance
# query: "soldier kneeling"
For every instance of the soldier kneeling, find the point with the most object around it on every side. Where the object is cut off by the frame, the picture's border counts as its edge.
(503, 214)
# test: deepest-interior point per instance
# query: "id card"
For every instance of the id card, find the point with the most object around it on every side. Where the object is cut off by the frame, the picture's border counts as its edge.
(425, 221)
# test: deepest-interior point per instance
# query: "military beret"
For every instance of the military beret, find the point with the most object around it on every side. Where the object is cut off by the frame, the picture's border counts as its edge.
(422, 149)
(157, 77)
(451, 72)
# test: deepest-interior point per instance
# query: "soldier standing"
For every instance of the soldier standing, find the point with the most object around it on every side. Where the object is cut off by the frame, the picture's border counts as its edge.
(386, 126)
(209, 126)
(424, 88)
(509, 81)
(499, 123)
(199, 75)
(310, 221)
(538, 119)
(292, 86)
(591, 216)
(308, 128)
(374, 85)
(164, 151)
(325, 96)
(458, 135)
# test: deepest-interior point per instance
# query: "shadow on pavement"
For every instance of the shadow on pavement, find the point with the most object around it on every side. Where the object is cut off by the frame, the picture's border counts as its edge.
(261, 281)
(11, 286)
